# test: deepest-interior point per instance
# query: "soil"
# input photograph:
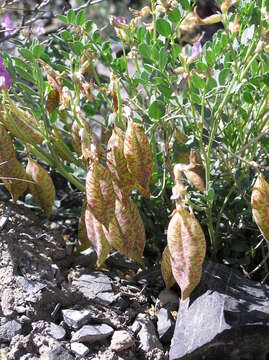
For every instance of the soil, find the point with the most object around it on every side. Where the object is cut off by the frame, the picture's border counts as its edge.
(40, 276)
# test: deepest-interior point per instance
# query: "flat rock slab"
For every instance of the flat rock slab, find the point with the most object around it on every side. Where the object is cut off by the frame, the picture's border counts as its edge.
(146, 333)
(95, 286)
(226, 317)
(9, 330)
(92, 333)
(76, 318)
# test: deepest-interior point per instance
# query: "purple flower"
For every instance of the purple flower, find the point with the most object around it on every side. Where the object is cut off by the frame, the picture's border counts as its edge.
(5, 80)
(196, 52)
(8, 24)
(121, 20)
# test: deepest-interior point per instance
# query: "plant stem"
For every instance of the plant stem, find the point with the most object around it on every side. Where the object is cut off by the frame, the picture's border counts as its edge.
(154, 19)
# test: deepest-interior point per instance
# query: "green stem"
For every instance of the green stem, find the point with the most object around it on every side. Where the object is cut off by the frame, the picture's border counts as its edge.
(154, 20)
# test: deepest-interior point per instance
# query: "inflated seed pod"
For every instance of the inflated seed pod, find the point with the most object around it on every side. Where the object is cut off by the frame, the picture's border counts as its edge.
(123, 181)
(100, 194)
(14, 179)
(187, 246)
(260, 205)
(126, 231)
(166, 268)
(20, 128)
(137, 152)
(41, 187)
(96, 236)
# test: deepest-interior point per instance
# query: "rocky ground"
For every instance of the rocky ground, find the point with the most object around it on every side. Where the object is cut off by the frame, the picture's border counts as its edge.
(56, 305)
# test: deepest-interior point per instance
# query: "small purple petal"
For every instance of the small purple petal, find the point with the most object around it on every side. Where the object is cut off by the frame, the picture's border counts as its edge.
(8, 23)
(196, 51)
(5, 80)
(121, 20)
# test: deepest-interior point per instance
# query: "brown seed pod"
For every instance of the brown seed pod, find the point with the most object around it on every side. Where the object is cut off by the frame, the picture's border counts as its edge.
(260, 205)
(187, 246)
(137, 152)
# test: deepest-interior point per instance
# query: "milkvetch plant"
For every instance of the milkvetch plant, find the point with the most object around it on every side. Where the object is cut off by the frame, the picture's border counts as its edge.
(189, 125)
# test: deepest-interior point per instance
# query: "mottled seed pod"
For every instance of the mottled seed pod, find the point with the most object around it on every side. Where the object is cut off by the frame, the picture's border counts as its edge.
(260, 205)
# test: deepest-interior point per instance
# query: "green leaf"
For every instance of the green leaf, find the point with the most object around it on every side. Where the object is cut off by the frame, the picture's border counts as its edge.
(27, 54)
(174, 16)
(63, 18)
(197, 81)
(66, 35)
(210, 57)
(140, 34)
(77, 47)
(71, 16)
(88, 25)
(81, 17)
(145, 51)
(25, 74)
(247, 97)
(38, 51)
(163, 58)
(185, 4)
(163, 27)
(223, 75)
(96, 37)
(157, 110)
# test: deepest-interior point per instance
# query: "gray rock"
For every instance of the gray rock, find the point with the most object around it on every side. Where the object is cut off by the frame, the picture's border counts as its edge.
(76, 318)
(146, 333)
(9, 330)
(165, 325)
(7, 302)
(29, 357)
(226, 317)
(121, 340)
(79, 349)
(56, 331)
(57, 354)
(92, 333)
(95, 286)
(28, 285)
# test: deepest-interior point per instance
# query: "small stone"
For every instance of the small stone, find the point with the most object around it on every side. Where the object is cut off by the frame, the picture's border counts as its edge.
(24, 319)
(146, 333)
(121, 340)
(9, 330)
(56, 331)
(76, 318)
(79, 349)
(165, 325)
(169, 299)
(95, 286)
(57, 354)
(92, 333)
(7, 301)
(20, 309)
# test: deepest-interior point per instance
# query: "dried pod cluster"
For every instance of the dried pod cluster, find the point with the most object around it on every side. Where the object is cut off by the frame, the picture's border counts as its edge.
(112, 219)
(186, 246)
